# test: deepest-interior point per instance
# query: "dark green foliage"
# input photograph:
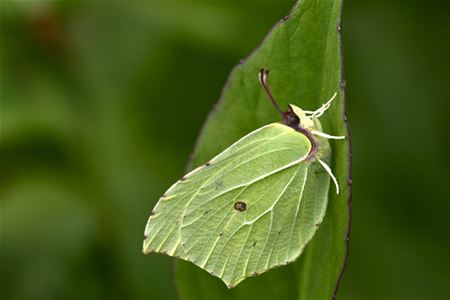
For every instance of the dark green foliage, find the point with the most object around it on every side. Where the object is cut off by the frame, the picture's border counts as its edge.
(100, 105)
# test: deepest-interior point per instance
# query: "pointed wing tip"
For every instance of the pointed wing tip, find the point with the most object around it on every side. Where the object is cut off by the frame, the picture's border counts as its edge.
(232, 284)
(146, 247)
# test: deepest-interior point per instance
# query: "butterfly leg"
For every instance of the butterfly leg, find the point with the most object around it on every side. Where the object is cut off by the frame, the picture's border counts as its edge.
(328, 169)
(327, 136)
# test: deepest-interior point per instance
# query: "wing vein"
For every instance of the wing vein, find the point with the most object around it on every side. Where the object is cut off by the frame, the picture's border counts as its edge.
(296, 213)
(240, 252)
(244, 184)
(276, 200)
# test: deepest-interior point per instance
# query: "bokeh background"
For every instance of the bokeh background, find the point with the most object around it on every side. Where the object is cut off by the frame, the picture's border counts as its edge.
(101, 103)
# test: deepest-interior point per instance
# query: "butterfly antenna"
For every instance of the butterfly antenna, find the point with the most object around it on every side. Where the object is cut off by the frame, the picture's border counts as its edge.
(263, 75)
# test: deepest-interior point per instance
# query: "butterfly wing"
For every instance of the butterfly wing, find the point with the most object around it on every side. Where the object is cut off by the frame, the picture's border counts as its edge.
(251, 208)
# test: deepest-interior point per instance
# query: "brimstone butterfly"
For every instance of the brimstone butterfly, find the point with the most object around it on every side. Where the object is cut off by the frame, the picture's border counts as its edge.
(255, 205)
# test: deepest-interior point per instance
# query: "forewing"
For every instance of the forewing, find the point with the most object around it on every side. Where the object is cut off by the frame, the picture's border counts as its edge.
(284, 196)
(262, 151)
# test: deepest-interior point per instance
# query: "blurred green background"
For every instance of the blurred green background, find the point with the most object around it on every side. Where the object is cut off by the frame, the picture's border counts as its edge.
(101, 103)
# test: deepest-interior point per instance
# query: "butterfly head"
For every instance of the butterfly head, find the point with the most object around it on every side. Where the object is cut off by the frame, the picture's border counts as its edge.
(307, 123)
(294, 117)
(301, 119)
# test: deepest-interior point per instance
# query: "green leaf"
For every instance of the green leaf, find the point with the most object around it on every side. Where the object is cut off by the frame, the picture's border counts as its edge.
(303, 54)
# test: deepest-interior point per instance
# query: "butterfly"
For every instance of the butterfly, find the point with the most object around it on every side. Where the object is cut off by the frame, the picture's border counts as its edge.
(255, 205)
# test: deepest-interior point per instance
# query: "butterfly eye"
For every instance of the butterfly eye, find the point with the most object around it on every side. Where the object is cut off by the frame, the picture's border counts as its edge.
(291, 119)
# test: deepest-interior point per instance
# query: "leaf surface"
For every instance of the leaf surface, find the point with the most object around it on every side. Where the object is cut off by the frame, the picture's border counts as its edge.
(303, 55)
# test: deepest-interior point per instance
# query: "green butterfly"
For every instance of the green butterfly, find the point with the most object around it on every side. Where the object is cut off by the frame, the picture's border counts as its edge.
(254, 206)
